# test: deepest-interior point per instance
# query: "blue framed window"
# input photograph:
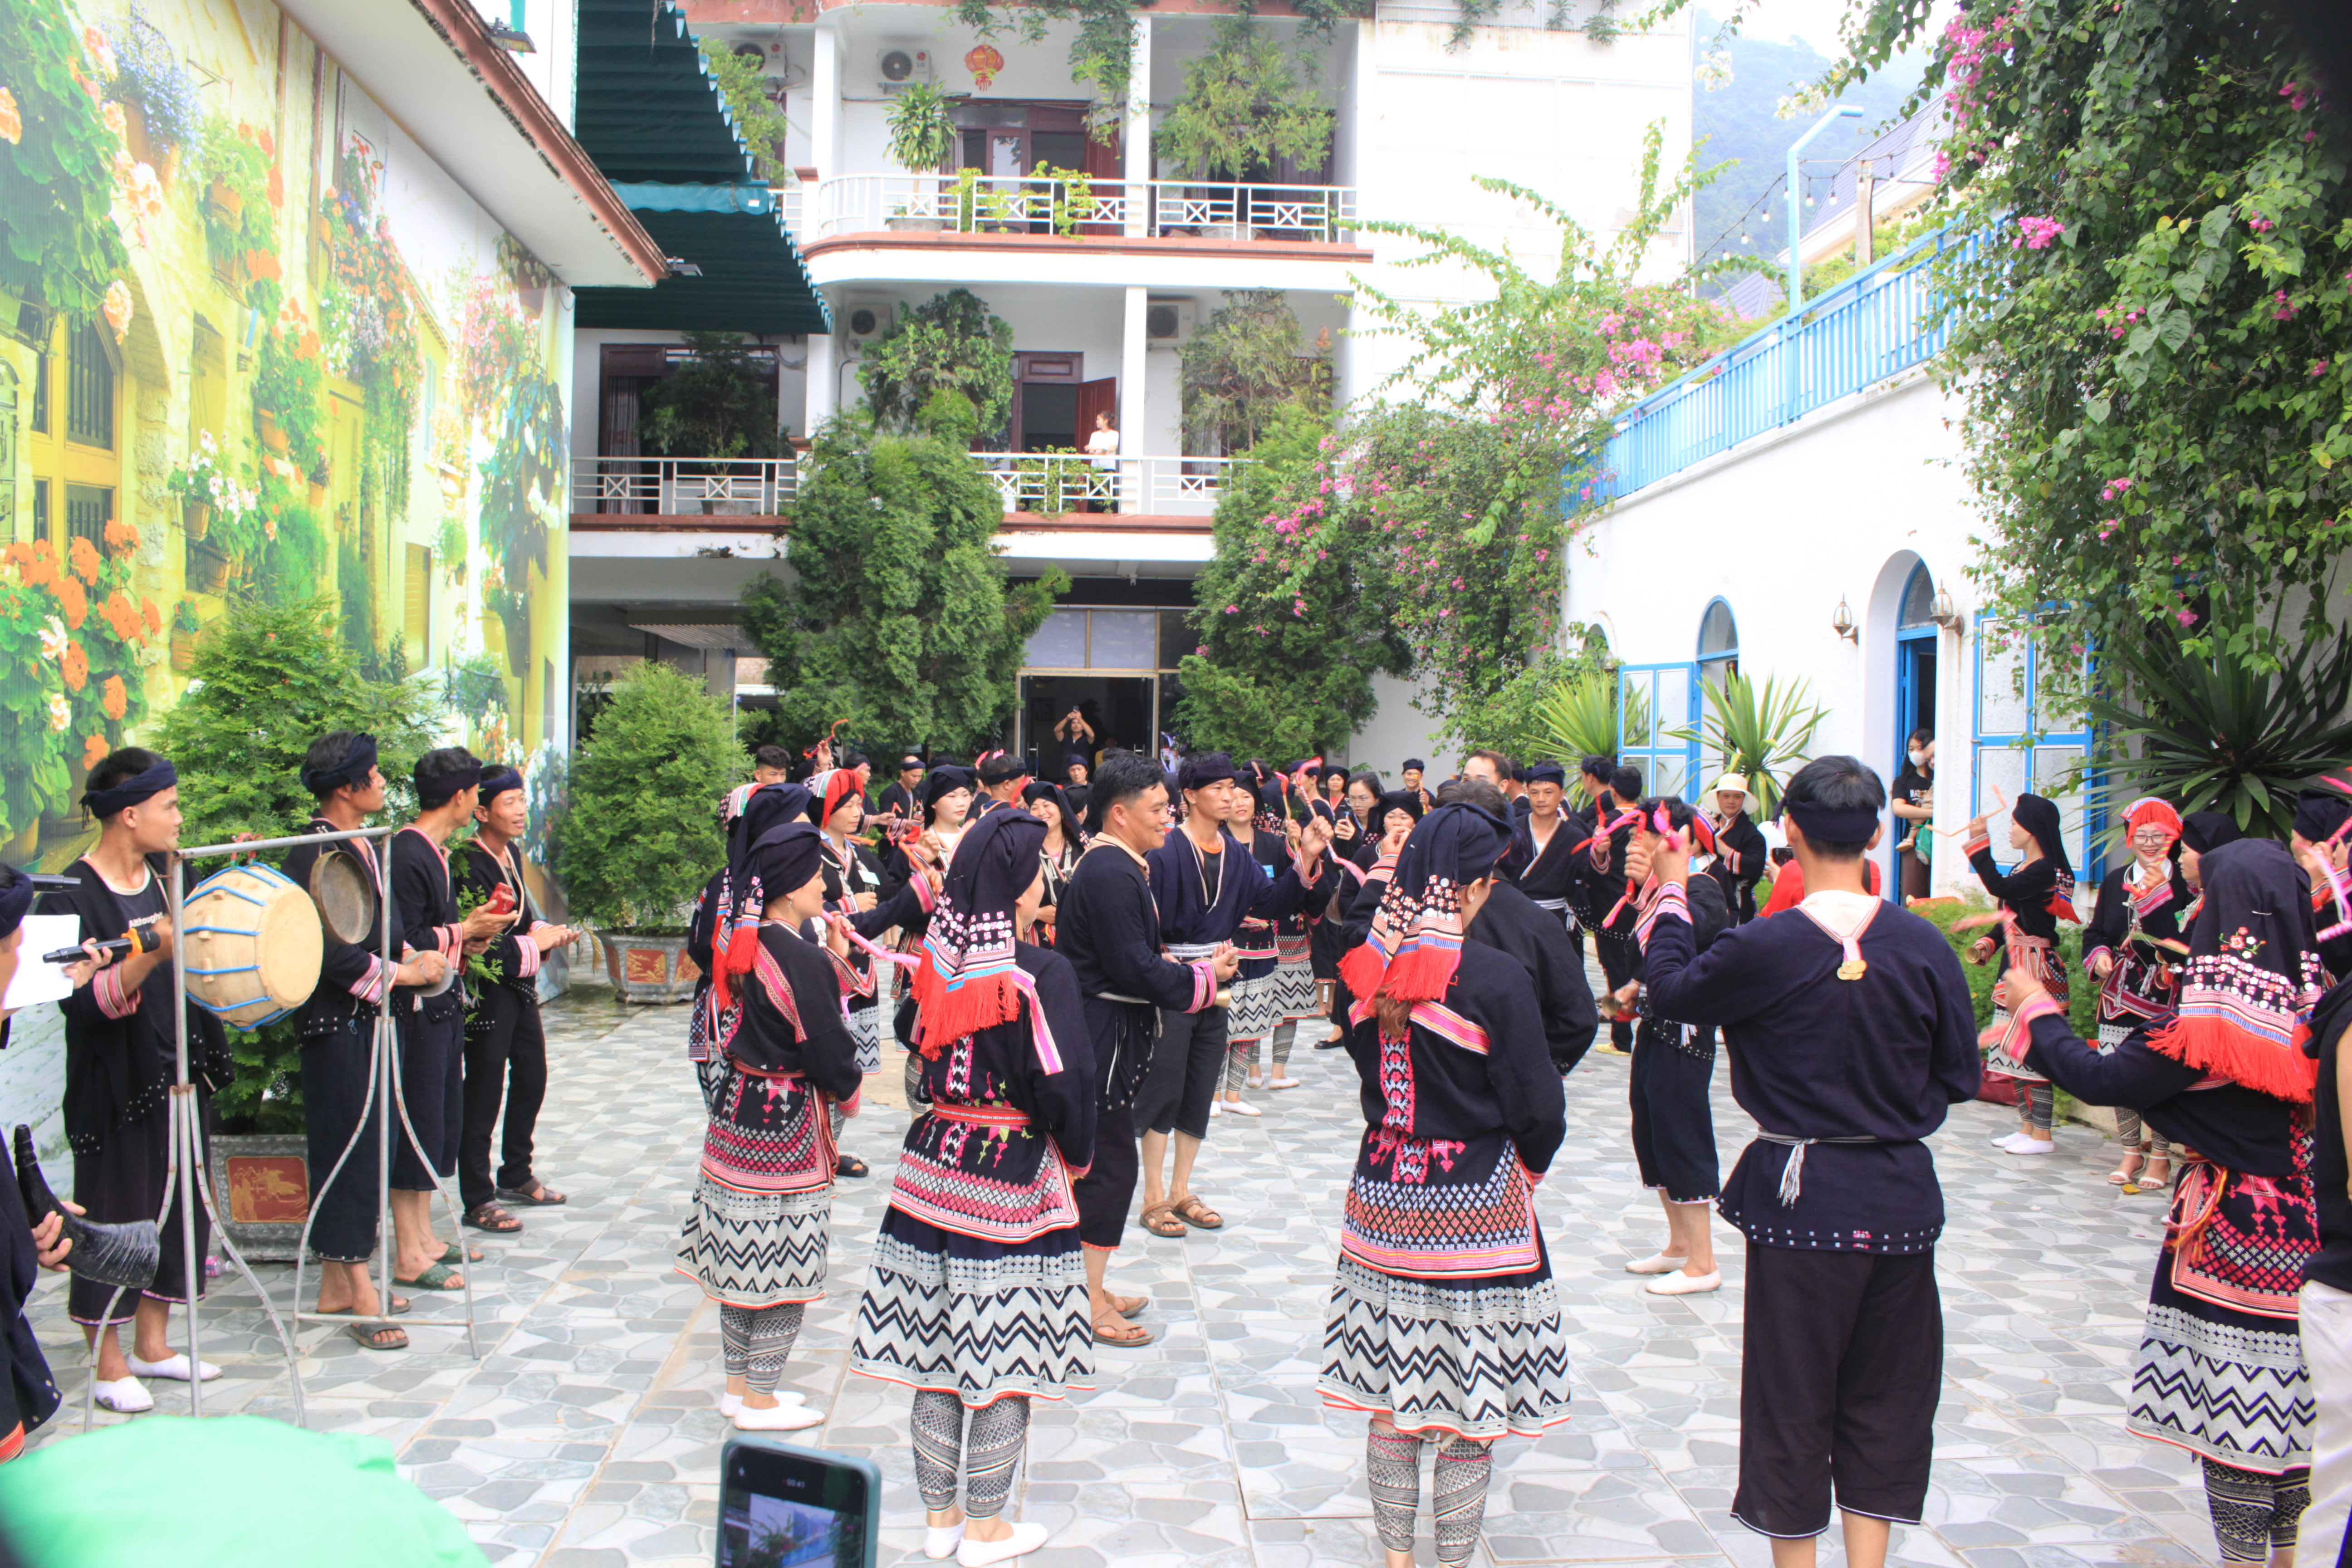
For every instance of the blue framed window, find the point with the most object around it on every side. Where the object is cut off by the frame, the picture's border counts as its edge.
(2007, 712)
(1653, 701)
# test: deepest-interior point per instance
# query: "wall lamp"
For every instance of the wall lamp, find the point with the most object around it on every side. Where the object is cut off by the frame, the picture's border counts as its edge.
(1841, 622)
(1943, 611)
(512, 40)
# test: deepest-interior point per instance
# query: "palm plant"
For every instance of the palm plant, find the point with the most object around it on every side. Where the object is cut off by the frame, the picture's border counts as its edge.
(1577, 718)
(2216, 734)
(1758, 733)
(921, 128)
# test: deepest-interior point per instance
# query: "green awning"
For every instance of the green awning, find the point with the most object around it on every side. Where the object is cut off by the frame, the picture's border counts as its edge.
(655, 121)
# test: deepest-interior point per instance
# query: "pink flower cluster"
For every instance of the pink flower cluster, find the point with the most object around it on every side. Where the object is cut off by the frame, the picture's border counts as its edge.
(2114, 489)
(2039, 231)
(2285, 311)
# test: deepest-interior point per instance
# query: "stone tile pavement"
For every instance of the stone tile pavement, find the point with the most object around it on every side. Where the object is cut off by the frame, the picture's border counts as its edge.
(587, 1434)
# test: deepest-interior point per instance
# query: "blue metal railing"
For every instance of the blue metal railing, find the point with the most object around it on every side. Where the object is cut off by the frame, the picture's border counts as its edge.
(1873, 325)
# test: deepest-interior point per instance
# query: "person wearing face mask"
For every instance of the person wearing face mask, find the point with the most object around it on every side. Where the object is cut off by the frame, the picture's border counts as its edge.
(2133, 946)
(2034, 897)
(1913, 802)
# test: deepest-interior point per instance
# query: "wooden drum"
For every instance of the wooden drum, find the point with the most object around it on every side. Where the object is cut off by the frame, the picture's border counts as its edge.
(252, 945)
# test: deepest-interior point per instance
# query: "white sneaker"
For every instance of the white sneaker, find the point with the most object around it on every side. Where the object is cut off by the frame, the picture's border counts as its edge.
(2030, 1146)
(1216, 1106)
(1681, 1284)
(1242, 1108)
(173, 1367)
(940, 1540)
(1661, 1264)
(731, 1402)
(2010, 1142)
(125, 1396)
(1284, 1083)
(1024, 1539)
(778, 1418)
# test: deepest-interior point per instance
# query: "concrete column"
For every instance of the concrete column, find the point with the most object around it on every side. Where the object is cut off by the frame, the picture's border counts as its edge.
(821, 376)
(824, 104)
(1135, 150)
(1133, 358)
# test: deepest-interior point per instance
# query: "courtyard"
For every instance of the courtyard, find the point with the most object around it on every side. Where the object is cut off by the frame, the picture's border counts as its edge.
(587, 1434)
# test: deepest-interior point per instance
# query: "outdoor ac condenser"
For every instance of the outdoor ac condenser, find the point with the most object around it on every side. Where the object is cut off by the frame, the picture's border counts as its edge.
(1167, 322)
(899, 65)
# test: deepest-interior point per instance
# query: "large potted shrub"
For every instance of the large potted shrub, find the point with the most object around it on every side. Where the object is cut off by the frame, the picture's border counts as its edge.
(1246, 105)
(923, 139)
(719, 405)
(643, 835)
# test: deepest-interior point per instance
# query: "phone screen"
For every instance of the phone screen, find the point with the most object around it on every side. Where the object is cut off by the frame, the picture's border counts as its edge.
(780, 1506)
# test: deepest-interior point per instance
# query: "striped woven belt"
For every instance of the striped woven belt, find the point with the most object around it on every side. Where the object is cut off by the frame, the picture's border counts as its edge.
(1191, 952)
(1554, 905)
(982, 1115)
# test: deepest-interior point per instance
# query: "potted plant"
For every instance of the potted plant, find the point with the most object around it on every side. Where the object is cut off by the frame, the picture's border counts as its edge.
(1245, 103)
(184, 628)
(162, 113)
(922, 133)
(718, 407)
(641, 838)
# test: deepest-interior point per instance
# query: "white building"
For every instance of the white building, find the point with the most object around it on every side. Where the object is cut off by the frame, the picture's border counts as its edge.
(1098, 312)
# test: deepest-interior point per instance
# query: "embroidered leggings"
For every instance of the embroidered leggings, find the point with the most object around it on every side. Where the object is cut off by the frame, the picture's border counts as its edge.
(2254, 1514)
(1242, 1060)
(986, 1452)
(2131, 1132)
(1457, 1500)
(755, 1341)
(2036, 1102)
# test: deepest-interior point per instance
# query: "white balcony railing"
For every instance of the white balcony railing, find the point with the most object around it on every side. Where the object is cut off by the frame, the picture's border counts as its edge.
(1078, 209)
(1050, 485)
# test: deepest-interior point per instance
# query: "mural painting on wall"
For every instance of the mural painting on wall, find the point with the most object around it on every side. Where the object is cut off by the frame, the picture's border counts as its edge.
(254, 343)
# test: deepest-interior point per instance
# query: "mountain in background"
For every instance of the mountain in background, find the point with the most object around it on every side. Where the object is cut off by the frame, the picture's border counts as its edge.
(1735, 124)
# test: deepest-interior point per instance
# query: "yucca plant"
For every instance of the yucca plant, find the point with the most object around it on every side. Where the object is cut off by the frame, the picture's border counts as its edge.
(1577, 719)
(1758, 732)
(2214, 734)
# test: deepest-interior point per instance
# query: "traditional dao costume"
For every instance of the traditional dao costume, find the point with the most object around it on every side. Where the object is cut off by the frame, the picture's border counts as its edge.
(1514, 923)
(2323, 817)
(1268, 1006)
(1443, 1320)
(1741, 855)
(977, 1296)
(1850, 1033)
(755, 1237)
(1058, 867)
(851, 869)
(1674, 1062)
(2138, 926)
(1546, 869)
(337, 1028)
(432, 1023)
(751, 812)
(1297, 994)
(2033, 898)
(2219, 1370)
(2323, 1307)
(1610, 899)
(122, 1056)
(29, 1394)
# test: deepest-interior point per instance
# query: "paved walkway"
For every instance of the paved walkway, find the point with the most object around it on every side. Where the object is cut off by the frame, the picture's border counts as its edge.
(588, 1435)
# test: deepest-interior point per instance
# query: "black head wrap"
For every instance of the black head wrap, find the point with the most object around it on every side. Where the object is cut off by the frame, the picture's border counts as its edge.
(1412, 765)
(1002, 768)
(1208, 768)
(785, 858)
(2040, 818)
(1546, 773)
(16, 892)
(2206, 831)
(971, 977)
(142, 787)
(1416, 936)
(358, 761)
(1395, 800)
(2253, 972)
(495, 781)
(768, 808)
(1040, 790)
(910, 762)
(440, 789)
(2321, 814)
(946, 779)
(1075, 761)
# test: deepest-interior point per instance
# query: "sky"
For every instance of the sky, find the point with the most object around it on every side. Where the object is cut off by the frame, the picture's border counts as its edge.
(1815, 21)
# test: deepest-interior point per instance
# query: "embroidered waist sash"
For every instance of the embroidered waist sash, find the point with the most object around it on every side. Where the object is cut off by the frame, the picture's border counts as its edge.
(1442, 1209)
(982, 1171)
(768, 1133)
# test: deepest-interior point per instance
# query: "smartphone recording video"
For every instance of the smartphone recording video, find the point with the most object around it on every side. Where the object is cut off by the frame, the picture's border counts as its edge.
(780, 1505)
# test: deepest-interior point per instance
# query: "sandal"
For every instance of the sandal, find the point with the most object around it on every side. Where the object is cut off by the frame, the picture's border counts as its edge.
(437, 1277)
(1160, 1219)
(1128, 1305)
(399, 1309)
(849, 1165)
(1193, 1212)
(459, 1253)
(2126, 1172)
(373, 1336)
(539, 1195)
(492, 1218)
(1135, 1336)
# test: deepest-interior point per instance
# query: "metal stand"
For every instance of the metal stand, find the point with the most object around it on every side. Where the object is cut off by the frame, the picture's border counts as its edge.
(185, 1150)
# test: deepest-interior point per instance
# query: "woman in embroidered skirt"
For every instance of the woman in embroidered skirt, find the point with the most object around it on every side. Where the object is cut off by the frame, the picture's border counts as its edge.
(977, 1296)
(2033, 898)
(1443, 1321)
(755, 1238)
(2219, 1370)
(857, 889)
(2132, 946)
(747, 812)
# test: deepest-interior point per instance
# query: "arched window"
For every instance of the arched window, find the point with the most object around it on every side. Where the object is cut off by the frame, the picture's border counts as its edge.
(1719, 644)
(1918, 595)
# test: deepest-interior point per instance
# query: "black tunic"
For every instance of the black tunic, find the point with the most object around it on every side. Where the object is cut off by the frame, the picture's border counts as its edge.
(1111, 935)
(477, 874)
(351, 974)
(2331, 1174)
(1797, 1035)
(425, 901)
(1604, 884)
(1509, 922)
(1239, 889)
(2024, 893)
(29, 1394)
(1738, 841)
(1547, 875)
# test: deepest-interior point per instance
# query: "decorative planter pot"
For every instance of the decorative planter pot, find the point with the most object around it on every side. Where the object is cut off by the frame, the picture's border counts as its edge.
(261, 1183)
(532, 298)
(135, 140)
(168, 168)
(196, 519)
(915, 225)
(318, 498)
(265, 424)
(228, 206)
(208, 569)
(183, 651)
(649, 968)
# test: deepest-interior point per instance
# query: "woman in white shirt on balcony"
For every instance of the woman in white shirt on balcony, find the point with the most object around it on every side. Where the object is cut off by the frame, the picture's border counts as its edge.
(1102, 456)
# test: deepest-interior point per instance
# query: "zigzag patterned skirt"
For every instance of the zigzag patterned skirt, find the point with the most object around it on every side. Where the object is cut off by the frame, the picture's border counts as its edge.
(2219, 1370)
(1478, 1358)
(754, 1248)
(1294, 982)
(980, 1319)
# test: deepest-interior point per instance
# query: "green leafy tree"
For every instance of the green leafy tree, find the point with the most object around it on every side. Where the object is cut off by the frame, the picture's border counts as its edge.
(643, 834)
(743, 82)
(898, 616)
(1243, 364)
(719, 404)
(2148, 334)
(1246, 102)
(945, 366)
(1296, 610)
(1552, 707)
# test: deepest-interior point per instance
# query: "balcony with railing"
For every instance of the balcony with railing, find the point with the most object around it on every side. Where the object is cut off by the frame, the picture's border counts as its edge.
(1875, 326)
(730, 494)
(1074, 209)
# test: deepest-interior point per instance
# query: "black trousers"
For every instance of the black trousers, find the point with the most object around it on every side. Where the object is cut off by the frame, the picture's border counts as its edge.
(432, 1090)
(345, 1218)
(1185, 1068)
(1620, 960)
(506, 1058)
(1108, 1185)
(1674, 1122)
(123, 1181)
(1840, 1363)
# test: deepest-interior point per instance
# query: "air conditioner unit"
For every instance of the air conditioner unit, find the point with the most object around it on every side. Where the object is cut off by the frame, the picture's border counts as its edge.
(863, 321)
(1166, 321)
(902, 65)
